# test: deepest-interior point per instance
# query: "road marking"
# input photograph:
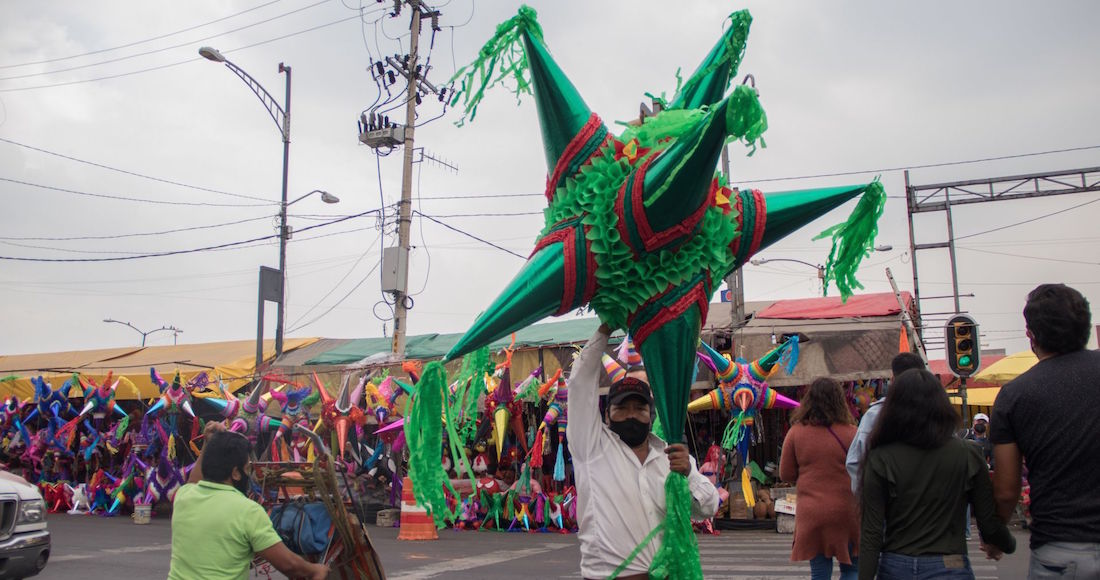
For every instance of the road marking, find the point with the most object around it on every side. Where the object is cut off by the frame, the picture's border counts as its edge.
(112, 551)
(470, 562)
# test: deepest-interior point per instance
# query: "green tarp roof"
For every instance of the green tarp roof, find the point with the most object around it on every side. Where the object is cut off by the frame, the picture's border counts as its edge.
(425, 346)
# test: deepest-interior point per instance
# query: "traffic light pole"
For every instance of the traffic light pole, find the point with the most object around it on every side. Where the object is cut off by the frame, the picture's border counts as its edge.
(962, 395)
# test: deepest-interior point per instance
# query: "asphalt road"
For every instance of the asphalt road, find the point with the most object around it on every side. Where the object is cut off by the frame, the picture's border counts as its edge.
(95, 547)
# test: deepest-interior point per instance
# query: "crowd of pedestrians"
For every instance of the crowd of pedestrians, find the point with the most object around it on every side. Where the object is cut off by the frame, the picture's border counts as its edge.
(894, 497)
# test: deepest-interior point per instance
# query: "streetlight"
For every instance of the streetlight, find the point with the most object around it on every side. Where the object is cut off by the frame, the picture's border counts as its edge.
(175, 331)
(819, 267)
(281, 116)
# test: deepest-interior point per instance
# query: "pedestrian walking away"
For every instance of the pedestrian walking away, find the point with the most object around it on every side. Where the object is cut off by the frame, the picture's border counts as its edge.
(1047, 417)
(826, 522)
(918, 479)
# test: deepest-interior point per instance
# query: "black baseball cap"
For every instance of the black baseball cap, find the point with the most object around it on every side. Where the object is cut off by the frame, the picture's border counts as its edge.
(629, 387)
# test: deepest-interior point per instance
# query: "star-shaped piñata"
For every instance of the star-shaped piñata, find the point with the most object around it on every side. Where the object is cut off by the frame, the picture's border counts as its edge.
(637, 227)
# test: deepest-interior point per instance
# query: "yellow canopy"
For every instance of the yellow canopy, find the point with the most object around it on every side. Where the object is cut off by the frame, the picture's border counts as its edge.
(1008, 368)
(982, 397)
(234, 361)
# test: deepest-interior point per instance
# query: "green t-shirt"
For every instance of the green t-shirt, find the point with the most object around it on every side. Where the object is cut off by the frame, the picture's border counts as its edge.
(215, 532)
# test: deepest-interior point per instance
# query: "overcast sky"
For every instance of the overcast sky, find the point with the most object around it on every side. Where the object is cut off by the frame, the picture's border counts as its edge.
(848, 86)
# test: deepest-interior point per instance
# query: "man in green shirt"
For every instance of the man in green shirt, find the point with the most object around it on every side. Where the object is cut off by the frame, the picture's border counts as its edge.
(216, 529)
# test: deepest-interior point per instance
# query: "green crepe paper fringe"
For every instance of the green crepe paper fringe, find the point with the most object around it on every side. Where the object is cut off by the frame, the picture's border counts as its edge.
(734, 432)
(120, 430)
(735, 50)
(424, 436)
(745, 118)
(471, 385)
(678, 556)
(625, 283)
(505, 49)
(659, 429)
(853, 240)
(312, 399)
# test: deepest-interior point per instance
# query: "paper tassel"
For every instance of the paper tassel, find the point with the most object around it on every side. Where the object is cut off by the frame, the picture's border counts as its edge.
(505, 48)
(536, 450)
(678, 556)
(423, 435)
(559, 464)
(853, 240)
(746, 487)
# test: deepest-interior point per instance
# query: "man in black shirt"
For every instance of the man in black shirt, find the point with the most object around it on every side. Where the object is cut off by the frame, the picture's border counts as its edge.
(1048, 416)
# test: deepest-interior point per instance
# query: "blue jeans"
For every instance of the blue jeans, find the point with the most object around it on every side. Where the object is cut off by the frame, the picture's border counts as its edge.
(821, 568)
(1065, 560)
(901, 567)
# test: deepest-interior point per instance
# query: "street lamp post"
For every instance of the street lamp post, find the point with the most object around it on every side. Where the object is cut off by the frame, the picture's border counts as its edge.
(281, 116)
(819, 267)
(175, 331)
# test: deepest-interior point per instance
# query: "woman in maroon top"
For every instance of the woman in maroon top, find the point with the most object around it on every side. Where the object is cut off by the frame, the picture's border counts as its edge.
(826, 522)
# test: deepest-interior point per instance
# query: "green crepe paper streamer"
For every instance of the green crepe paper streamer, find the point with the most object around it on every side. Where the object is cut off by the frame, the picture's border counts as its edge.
(471, 384)
(745, 118)
(505, 49)
(707, 83)
(853, 240)
(733, 433)
(659, 429)
(756, 472)
(494, 508)
(424, 436)
(637, 550)
(678, 556)
(312, 399)
(120, 429)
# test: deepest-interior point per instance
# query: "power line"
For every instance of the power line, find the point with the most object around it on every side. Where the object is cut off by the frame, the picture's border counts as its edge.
(1042, 258)
(179, 252)
(125, 198)
(128, 45)
(924, 166)
(162, 49)
(338, 302)
(135, 174)
(177, 63)
(1027, 221)
(466, 215)
(469, 235)
(135, 235)
(294, 325)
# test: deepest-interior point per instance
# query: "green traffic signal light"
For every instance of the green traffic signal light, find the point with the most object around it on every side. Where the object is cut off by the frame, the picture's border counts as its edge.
(964, 360)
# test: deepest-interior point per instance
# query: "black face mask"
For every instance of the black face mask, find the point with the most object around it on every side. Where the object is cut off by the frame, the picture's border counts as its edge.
(632, 431)
(244, 484)
(979, 428)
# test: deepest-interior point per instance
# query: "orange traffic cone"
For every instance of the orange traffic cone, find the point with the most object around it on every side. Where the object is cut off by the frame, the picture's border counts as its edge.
(416, 522)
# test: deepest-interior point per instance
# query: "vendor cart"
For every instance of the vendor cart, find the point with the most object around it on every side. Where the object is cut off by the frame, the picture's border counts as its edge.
(350, 554)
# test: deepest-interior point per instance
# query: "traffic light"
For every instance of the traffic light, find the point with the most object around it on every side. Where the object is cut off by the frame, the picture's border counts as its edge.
(961, 337)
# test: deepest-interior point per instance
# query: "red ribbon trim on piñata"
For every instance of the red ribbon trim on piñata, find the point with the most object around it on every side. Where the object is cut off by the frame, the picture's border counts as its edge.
(569, 289)
(697, 296)
(575, 146)
(735, 246)
(655, 240)
(761, 216)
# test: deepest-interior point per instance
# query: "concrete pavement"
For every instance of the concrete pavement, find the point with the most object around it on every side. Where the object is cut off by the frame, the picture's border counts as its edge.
(94, 547)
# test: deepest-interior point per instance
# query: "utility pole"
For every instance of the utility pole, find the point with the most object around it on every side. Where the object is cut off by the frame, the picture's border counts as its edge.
(736, 280)
(378, 132)
(404, 221)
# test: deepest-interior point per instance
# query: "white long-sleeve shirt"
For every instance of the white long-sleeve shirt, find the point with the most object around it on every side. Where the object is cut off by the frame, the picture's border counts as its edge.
(858, 448)
(619, 499)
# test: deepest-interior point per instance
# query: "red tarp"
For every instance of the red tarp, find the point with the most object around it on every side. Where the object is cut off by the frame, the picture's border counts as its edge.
(879, 304)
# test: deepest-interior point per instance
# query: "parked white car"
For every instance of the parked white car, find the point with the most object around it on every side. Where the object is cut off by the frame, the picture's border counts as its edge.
(24, 540)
